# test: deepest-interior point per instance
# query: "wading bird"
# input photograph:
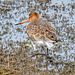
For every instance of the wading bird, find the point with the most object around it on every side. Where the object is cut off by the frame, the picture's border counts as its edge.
(39, 31)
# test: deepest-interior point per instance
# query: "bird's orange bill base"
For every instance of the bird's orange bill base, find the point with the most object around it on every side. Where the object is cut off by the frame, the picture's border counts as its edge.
(23, 22)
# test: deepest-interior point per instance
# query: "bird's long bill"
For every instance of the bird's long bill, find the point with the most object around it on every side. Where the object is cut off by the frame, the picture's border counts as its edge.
(23, 22)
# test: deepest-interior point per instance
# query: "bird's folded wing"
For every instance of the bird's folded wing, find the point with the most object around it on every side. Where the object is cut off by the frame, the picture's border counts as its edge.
(51, 35)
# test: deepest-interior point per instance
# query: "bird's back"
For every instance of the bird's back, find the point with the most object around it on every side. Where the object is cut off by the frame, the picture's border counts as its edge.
(41, 30)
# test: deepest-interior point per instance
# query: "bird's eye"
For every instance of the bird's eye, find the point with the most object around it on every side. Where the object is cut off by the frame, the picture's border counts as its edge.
(52, 36)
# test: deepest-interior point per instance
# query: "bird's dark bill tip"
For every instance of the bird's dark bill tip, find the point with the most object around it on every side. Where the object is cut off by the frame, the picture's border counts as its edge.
(17, 23)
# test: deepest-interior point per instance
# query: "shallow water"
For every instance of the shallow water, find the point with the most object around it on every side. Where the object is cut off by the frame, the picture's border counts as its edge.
(60, 14)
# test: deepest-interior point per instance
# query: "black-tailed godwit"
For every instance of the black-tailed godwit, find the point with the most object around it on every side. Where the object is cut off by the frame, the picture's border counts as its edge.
(39, 31)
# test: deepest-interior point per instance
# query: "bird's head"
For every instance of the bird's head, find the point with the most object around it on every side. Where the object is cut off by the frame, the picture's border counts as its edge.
(32, 16)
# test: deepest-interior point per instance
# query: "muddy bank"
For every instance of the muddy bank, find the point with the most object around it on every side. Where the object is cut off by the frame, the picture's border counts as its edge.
(15, 46)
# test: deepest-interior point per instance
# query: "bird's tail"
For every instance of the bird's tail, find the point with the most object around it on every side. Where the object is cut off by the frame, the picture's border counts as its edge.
(58, 40)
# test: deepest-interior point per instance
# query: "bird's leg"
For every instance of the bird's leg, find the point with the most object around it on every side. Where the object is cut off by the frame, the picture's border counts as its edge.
(43, 49)
(34, 46)
(47, 51)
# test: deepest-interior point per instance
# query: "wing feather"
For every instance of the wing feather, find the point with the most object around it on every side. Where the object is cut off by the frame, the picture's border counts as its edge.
(40, 29)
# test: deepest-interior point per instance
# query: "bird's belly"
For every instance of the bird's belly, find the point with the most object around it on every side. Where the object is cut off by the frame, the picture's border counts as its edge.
(38, 43)
(43, 43)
